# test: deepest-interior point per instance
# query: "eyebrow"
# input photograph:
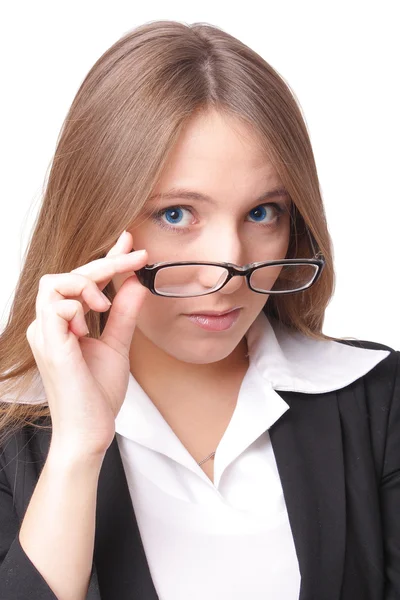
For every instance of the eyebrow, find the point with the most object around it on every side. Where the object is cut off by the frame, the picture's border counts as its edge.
(186, 194)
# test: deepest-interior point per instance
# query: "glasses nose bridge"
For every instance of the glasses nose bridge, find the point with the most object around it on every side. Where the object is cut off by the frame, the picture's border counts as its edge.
(242, 271)
(238, 271)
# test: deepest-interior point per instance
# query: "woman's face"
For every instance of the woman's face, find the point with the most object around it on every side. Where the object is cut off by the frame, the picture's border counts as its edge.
(215, 156)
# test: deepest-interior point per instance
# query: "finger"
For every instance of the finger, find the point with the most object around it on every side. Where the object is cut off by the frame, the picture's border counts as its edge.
(54, 338)
(122, 246)
(119, 263)
(81, 282)
(107, 267)
(55, 287)
(121, 321)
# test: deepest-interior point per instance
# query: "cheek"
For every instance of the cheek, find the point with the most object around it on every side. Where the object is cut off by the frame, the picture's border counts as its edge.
(160, 320)
(157, 314)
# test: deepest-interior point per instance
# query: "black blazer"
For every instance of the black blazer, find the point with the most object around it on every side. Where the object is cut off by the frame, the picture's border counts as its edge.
(338, 456)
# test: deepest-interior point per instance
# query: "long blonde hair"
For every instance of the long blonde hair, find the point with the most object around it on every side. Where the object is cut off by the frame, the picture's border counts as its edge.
(113, 145)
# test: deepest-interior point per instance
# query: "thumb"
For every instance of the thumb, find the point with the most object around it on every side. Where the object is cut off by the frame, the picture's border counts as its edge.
(121, 322)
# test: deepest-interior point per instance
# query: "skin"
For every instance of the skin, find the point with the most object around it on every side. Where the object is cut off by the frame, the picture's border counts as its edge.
(199, 372)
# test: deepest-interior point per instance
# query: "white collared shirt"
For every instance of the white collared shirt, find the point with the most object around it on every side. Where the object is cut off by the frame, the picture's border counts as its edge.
(230, 539)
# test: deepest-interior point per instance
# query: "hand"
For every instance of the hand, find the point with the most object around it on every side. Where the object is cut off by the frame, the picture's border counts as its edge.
(86, 379)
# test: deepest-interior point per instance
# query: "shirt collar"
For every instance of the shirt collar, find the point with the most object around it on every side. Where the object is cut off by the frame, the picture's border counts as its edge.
(292, 361)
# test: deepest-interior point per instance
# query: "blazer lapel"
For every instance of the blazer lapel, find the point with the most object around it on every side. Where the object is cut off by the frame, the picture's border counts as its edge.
(119, 556)
(308, 449)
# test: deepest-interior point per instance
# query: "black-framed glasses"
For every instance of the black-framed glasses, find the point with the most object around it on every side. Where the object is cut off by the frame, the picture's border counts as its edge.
(186, 279)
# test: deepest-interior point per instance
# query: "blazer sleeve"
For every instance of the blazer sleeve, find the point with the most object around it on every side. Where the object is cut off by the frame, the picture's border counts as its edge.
(19, 578)
(390, 494)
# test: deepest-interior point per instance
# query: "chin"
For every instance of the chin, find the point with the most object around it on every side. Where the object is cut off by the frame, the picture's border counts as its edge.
(198, 358)
(211, 349)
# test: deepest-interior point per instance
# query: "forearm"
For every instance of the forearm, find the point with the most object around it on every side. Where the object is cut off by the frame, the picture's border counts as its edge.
(57, 532)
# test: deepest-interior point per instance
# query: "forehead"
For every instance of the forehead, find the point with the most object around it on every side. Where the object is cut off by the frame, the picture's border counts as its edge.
(218, 154)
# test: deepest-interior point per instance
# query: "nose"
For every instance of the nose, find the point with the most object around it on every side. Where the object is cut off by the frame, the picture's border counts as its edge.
(212, 276)
(223, 246)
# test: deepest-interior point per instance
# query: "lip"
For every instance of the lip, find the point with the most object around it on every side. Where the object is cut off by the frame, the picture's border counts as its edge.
(214, 321)
(213, 313)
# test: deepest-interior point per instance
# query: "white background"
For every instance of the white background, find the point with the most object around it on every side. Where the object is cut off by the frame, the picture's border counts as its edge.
(340, 58)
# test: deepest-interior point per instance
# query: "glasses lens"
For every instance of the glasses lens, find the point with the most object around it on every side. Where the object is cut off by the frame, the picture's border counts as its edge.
(278, 278)
(189, 280)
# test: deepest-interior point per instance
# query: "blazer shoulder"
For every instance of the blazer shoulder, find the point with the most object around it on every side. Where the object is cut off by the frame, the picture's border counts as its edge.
(368, 344)
(24, 450)
(34, 435)
(380, 386)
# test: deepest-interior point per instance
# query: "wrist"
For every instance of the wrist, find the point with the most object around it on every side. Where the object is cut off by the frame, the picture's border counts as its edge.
(73, 455)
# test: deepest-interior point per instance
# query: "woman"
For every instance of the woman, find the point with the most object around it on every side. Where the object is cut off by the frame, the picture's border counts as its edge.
(206, 440)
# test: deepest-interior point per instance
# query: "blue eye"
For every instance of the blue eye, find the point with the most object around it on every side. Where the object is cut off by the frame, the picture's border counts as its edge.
(258, 213)
(174, 218)
(173, 215)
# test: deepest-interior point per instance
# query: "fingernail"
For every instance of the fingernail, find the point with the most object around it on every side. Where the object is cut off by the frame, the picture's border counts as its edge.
(139, 253)
(121, 237)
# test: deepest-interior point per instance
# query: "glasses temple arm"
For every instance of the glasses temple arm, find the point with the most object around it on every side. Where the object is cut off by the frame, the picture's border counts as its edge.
(316, 254)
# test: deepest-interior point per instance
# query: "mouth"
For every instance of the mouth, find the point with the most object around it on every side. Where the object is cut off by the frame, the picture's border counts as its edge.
(216, 321)
(213, 313)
